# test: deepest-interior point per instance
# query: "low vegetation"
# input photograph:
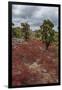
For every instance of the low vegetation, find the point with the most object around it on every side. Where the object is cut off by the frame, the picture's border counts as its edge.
(34, 54)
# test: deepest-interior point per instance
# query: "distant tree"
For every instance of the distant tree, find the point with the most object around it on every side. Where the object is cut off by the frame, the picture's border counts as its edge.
(37, 34)
(56, 39)
(47, 32)
(16, 32)
(26, 30)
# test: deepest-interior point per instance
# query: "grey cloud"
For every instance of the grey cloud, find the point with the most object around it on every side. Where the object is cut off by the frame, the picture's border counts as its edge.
(34, 15)
(26, 12)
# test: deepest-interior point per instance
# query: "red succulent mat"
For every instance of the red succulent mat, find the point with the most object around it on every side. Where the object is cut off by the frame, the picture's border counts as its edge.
(32, 64)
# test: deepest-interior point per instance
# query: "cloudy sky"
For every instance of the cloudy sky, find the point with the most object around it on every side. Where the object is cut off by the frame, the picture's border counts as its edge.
(34, 15)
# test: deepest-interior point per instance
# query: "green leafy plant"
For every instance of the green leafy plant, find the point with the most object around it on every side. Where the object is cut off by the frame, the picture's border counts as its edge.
(25, 30)
(16, 32)
(47, 32)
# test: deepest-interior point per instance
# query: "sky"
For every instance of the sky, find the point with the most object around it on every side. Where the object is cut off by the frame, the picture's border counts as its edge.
(34, 15)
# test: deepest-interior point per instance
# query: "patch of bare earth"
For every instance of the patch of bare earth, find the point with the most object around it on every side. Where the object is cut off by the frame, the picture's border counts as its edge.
(32, 64)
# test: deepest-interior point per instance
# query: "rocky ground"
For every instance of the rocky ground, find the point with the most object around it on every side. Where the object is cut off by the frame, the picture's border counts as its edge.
(32, 64)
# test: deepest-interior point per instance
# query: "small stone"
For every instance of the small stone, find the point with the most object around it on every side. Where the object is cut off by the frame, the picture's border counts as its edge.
(44, 70)
(40, 48)
(54, 59)
(37, 60)
(19, 72)
(49, 57)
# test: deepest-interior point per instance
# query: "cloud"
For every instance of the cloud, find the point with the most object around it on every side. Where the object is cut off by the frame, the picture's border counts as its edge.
(34, 15)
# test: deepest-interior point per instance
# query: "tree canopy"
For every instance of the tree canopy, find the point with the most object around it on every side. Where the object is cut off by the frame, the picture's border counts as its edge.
(25, 29)
(47, 32)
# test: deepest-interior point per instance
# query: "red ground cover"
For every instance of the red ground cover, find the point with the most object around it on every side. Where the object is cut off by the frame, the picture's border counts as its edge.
(32, 64)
